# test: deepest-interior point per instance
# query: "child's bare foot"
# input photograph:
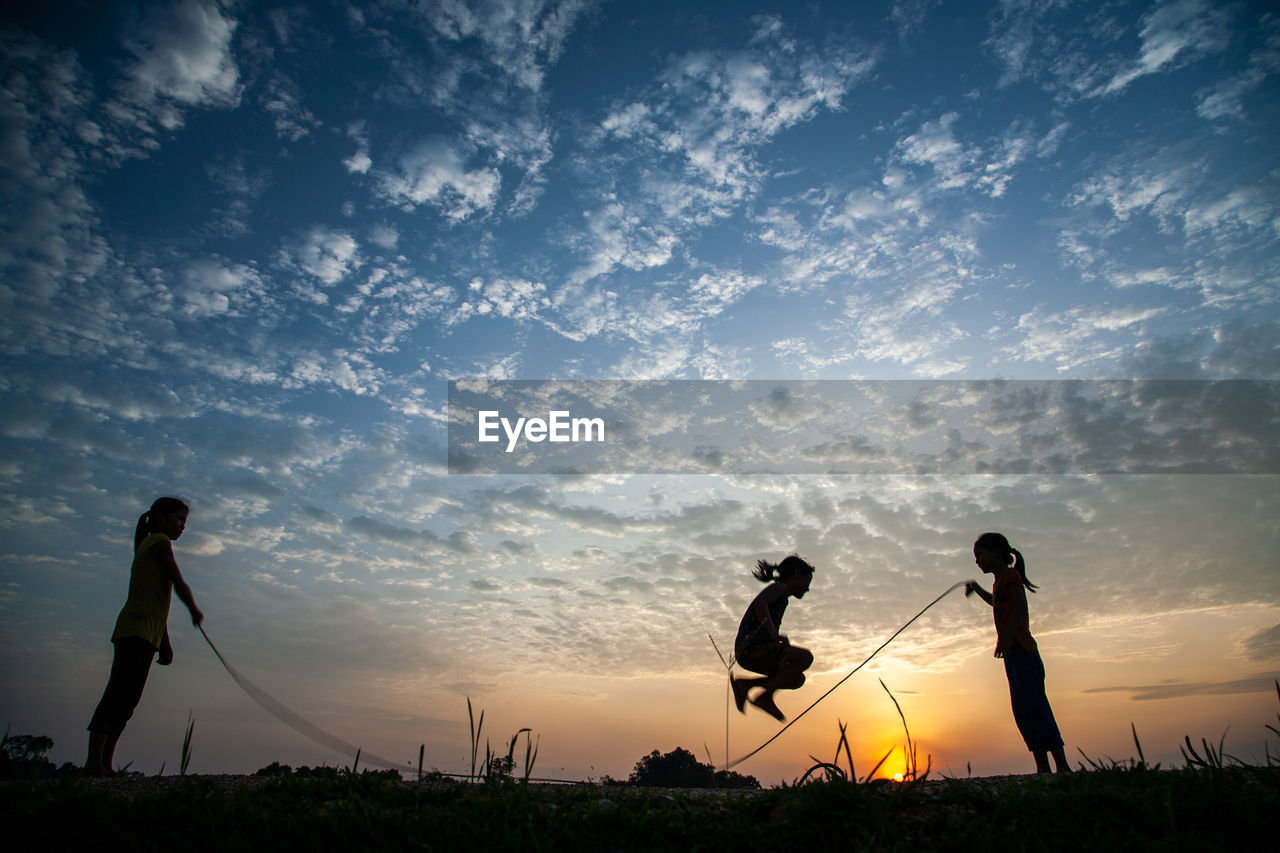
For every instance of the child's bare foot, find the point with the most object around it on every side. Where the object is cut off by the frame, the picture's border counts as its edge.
(740, 688)
(765, 703)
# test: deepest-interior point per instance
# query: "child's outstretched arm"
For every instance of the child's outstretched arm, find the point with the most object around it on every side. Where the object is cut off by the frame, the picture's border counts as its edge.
(164, 551)
(971, 587)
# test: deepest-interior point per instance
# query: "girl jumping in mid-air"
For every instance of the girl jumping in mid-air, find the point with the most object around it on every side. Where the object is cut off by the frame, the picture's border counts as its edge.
(142, 627)
(760, 647)
(1014, 643)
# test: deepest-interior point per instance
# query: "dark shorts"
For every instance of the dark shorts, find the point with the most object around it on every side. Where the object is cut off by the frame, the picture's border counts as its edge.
(1031, 711)
(764, 658)
(129, 669)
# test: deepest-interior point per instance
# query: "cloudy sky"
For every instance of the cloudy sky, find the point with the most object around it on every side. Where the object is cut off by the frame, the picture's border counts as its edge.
(245, 248)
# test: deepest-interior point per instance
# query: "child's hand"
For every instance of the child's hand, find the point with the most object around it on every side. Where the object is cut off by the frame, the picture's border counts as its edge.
(970, 587)
(165, 658)
(197, 616)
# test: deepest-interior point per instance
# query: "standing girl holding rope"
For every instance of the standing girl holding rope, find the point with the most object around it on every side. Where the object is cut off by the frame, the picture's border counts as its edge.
(142, 627)
(1014, 643)
(760, 648)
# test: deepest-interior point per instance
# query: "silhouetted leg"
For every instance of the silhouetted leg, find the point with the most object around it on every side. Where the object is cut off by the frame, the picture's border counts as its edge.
(93, 762)
(740, 687)
(764, 701)
(789, 677)
(109, 752)
(130, 664)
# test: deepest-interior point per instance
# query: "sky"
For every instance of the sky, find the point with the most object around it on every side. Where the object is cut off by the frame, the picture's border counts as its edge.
(955, 267)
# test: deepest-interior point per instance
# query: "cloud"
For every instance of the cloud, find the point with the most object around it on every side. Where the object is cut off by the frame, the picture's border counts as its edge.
(328, 254)
(483, 74)
(1167, 218)
(910, 16)
(1175, 28)
(1076, 337)
(64, 288)
(958, 166)
(934, 144)
(1264, 645)
(343, 369)
(897, 264)
(1138, 187)
(435, 174)
(521, 39)
(1225, 98)
(385, 236)
(516, 299)
(459, 542)
(182, 59)
(1032, 39)
(358, 163)
(617, 237)
(1077, 56)
(1179, 689)
(209, 287)
(282, 99)
(241, 187)
(1249, 208)
(699, 129)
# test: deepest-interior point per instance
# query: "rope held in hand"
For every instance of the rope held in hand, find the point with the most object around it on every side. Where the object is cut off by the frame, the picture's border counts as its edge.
(278, 710)
(797, 717)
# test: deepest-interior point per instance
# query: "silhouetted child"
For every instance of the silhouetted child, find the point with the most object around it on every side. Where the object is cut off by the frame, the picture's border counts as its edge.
(760, 647)
(142, 627)
(1014, 643)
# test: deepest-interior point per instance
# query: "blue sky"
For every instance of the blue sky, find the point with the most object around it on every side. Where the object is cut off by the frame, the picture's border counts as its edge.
(245, 247)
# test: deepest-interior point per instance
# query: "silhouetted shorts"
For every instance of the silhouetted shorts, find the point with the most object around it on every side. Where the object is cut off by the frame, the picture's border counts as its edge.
(129, 669)
(764, 658)
(1031, 710)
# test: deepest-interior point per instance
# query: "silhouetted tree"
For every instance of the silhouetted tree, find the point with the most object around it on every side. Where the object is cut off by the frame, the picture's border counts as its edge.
(275, 768)
(680, 768)
(24, 756)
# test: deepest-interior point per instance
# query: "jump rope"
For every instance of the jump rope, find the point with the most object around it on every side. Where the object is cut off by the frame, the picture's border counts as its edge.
(294, 721)
(797, 717)
(305, 727)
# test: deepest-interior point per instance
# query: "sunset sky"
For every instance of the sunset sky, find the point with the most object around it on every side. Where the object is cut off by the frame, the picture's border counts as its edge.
(246, 248)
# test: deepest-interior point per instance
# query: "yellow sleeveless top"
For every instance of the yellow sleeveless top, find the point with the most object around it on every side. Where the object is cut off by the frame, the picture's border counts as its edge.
(146, 611)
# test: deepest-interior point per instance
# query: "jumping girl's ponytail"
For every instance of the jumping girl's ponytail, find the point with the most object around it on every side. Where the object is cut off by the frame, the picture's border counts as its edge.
(997, 542)
(765, 572)
(162, 506)
(1021, 565)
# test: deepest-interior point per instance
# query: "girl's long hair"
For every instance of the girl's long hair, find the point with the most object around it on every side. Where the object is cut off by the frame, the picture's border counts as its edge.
(766, 572)
(162, 506)
(997, 542)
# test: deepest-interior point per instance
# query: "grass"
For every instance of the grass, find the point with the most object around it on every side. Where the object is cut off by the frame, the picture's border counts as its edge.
(495, 767)
(1113, 809)
(1214, 802)
(185, 759)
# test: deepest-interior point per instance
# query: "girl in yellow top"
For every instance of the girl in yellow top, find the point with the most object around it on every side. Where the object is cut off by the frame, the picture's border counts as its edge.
(142, 627)
(1014, 643)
